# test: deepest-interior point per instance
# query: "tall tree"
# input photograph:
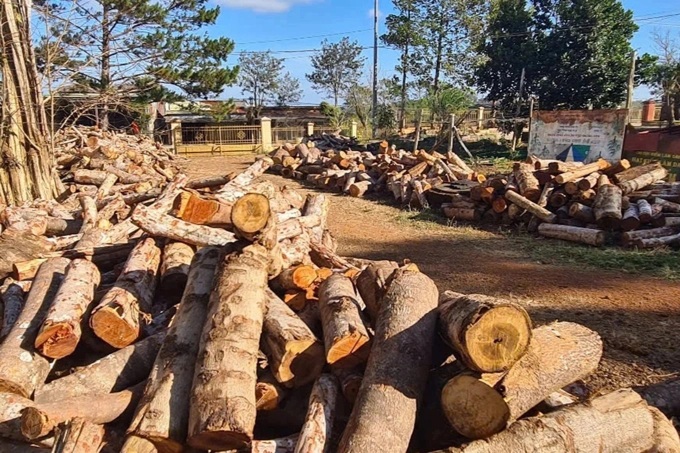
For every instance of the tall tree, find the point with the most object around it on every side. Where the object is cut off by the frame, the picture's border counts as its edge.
(337, 66)
(125, 49)
(26, 165)
(259, 76)
(662, 73)
(288, 91)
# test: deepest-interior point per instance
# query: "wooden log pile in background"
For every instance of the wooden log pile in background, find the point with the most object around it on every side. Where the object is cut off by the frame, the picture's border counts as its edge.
(276, 342)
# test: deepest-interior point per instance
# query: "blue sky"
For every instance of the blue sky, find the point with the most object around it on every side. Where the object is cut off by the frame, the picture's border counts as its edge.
(299, 25)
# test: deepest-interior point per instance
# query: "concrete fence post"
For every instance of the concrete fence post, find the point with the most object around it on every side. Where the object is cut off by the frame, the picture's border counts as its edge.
(353, 129)
(266, 134)
(175, 135)
(310, 129)
(480, 118)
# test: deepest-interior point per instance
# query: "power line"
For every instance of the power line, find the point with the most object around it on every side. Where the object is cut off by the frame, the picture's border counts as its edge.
(305, 37)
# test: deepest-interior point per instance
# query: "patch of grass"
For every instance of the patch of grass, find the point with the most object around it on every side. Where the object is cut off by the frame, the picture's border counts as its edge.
(662, 263)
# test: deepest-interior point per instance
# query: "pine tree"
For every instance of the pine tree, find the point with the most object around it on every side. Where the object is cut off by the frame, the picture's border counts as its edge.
(337, 66)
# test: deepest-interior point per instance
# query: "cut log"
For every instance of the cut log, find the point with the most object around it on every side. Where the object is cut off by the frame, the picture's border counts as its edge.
(371, 284)
(13, 294)
(209, 182)
(359, 189)
(296, 356)
(92, 235)
(589, 182)
(60, 332)
(645, 211)
(174, 270)
(472, 215)
(636, 172)
(193, 208)
(557, 167)
(80, 435)
(315, 436)
(619, 422)
(94, 177)
(529, 186)
(619, 167)
(548, 189)
(558, 355)
(644, 180)
(658, 242)
(631, 218)
(223, 407)
(489, 334)
(62, 227)
(297, 278)
(573, 234)
(268, 392)
(11, 407)
(250, 214)
(558, 199)
(113, 373)
(607, 206)
(23, 369)
(629, 238)
(582, 212)
(667, 206)
(530, 206)
(238, 186)
(345, 337)
(39, 421)
(162, 415)
(582, 171)
(384, 413)
(117, 318)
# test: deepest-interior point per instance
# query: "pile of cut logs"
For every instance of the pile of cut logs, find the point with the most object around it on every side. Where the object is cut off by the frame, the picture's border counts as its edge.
(327, 142)
(590, 204)
(405, 174)
(218, 316)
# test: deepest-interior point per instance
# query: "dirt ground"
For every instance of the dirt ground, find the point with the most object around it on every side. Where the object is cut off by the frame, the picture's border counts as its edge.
(637, 316)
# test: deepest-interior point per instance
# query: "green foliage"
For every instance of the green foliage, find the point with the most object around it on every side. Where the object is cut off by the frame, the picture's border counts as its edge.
(576, 53)
(261, 75)
(335, 114)
(662, 73)
(288, 91)
(450, 100)
(337, 66)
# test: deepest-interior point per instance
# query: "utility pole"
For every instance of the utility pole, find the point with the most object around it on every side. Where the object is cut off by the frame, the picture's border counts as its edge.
(631, 84)
(375, 67)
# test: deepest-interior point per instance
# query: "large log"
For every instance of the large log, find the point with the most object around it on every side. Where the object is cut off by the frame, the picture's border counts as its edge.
(384, 413)
(644, 180)
(118, 317)
(631, 218)
(558, 355)
(371, 284)
(296, 356)
(113, 373)
(315, 436)
(530, 206)
(223, 410)
(163, 413)
(636, 172)
(607, 205)
(345, 336)
(174, 270)
(23, 369)
(489, 334)
(619, 422)
(586, 170)
(60, 332)
(573, 234)
(529, 186)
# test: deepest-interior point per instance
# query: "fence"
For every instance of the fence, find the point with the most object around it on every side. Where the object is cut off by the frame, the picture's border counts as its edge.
(282, 135)
(218, 139)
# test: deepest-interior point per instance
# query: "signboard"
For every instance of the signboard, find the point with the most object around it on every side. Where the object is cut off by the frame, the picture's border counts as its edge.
(578, 135)
(655, 145)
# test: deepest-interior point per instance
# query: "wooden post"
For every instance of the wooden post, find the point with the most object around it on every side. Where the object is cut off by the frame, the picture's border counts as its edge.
(452, 125)
(418, 125)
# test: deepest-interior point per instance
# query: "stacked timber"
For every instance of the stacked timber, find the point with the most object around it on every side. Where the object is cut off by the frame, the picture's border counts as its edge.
(408, 176)
(276, 342)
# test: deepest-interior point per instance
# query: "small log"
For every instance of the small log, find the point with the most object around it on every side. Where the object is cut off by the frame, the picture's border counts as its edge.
(631, 218)
(629, 238)
(345, 336)
(315, 436)
(489, 334)
(23, 369)
(62, 227)
(636, 172)
(209, 182)
(571, 188)
(607, 205)
(499, 205)
(13, 294)
(358, 189)
(587, 196)
(117, 318)
(589, 182)
(529, 186)
(658, 242)
(384, 413)
(548, 189)
(80, 435)
(573, 234)
(113, 373)
(582, 212)
(106, 186)
(163, 413)
(26, 270)
(557, 167)
(297, 278)
(558, 355)
(371, 284)
(174, 270)
(586, 170)
(60, 332)
(94, 177)
(268, 392)
(296, 356)
(644, 180)
(530, 206)
(223, 407)
(558, 199)
(92, 235)
(617, 422)
(621, 166)
(11, 407)
(645, 210)
(667, 206)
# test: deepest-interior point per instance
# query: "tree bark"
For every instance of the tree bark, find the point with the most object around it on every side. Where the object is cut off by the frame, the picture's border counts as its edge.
(223, 410)
(297, 278)
(162, 415)
(489, 334)
(558, 355)
(530, 206)
(573, 234)
(636, 172)
(268, 392)
(174, 270)
(619, 422)
(60, 332)
(11, 407)
(582, 212)
(23, 369)
(631, 218)
(384, 413)
(644, 180)
(582, 171)
(117, 318)
(315, 436)
(80, 435)
(345, 336)
(13, 295)
(607, 206)
(371, 285)
(113, 373)
(529, 186)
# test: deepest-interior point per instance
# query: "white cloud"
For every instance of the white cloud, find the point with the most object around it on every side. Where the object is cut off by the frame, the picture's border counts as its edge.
(263, 6)
(371, 13)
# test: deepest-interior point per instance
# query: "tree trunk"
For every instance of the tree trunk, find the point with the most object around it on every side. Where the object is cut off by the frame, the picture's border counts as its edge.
(223, 407)
(296, 356)
(315, 436)
(117, 318)
(60, 332)
(80, 435)
(619, 422)
(163, 413)
(385, 410)
(345, 336)
(644, 180)
(489, 334)
(530, 206)
(23, 369)
(607, 205)
(113, 373)
(558, 355)
(573, 234)
(371, 284)
(27, 171)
